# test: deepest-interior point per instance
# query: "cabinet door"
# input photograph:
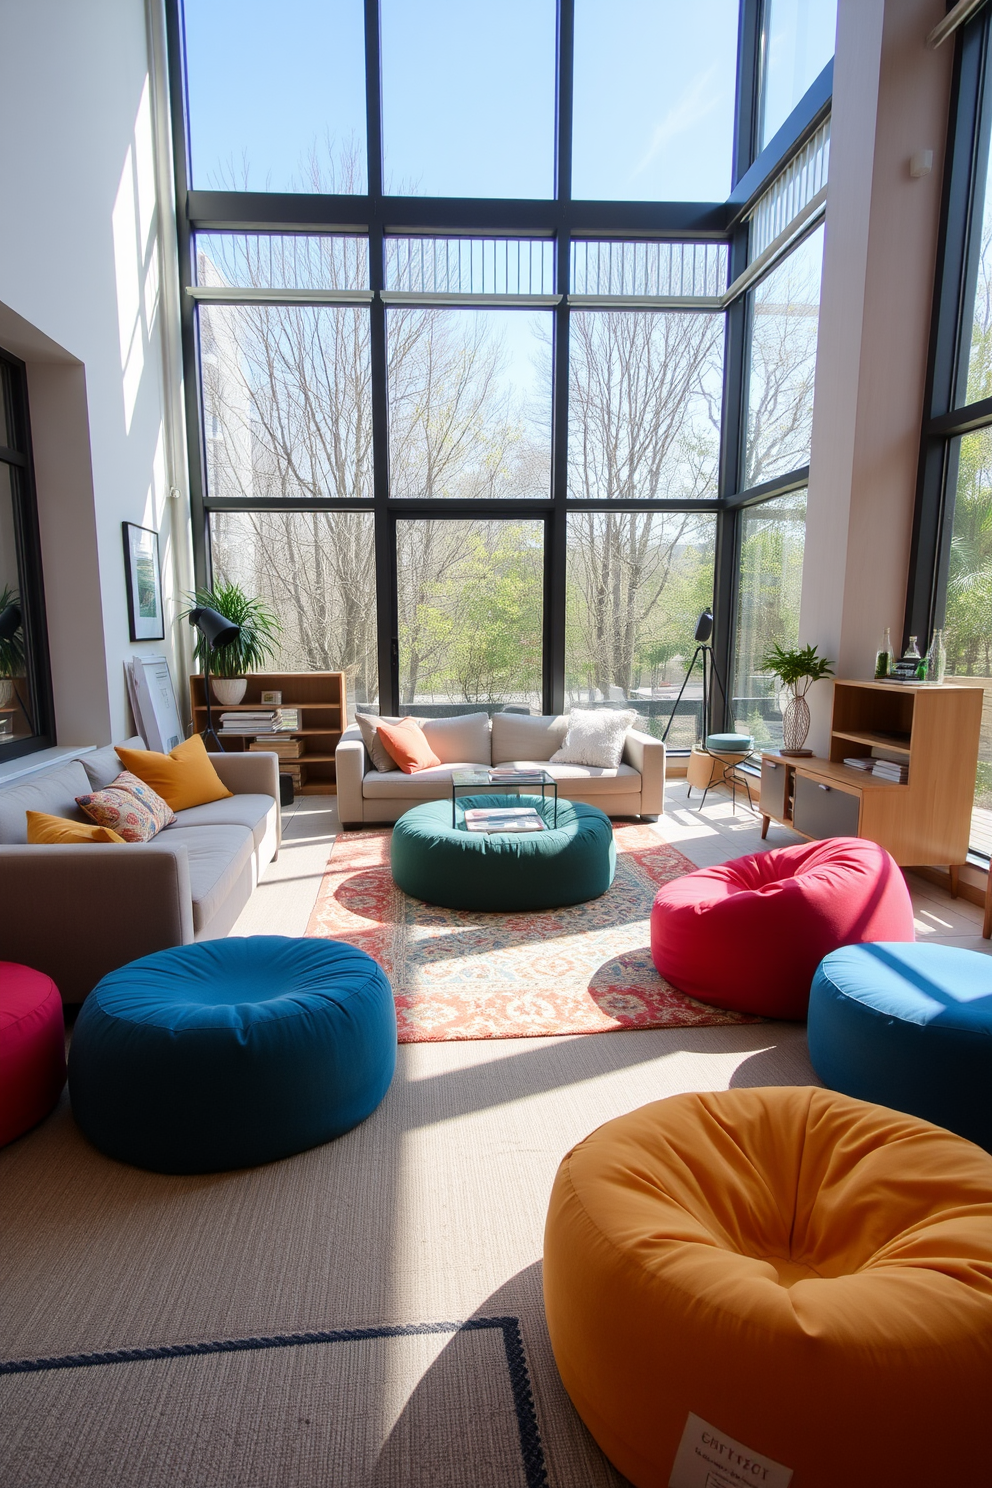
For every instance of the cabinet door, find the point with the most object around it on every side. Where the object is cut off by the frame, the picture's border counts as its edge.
(824, 810)
(774, 789)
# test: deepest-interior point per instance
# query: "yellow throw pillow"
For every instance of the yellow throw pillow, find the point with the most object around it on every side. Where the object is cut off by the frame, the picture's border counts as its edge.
(44, 828)
(183, 778)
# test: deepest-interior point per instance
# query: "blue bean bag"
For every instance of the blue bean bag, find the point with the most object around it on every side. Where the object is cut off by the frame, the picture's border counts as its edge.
(908, 1026)
(232, 1052)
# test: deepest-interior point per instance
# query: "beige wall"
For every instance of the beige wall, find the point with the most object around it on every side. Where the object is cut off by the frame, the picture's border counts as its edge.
(891, 98)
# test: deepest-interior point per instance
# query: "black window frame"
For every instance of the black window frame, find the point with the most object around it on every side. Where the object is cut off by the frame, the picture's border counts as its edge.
(560, 219)
(945, 418)
(31, 588)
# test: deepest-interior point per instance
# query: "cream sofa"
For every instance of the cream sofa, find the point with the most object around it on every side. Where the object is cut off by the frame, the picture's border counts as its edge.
(79, 911)
(635, 788)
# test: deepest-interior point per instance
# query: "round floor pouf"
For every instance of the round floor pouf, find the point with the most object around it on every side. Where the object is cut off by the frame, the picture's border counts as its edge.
(32, 1048)
(565, 864)
(748, 935)
(908, 1026)
(232, 1052)
(783, 1274)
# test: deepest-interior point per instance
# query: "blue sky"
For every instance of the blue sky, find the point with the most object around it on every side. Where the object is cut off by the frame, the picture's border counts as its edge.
(468, 94)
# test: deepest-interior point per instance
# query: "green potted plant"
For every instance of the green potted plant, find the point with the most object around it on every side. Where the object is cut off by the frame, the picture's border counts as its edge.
(797, 668)
(11, 650)
(259, 631)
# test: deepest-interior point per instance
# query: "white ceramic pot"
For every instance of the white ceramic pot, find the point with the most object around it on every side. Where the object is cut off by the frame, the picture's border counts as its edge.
(229, 690)
(6, 692)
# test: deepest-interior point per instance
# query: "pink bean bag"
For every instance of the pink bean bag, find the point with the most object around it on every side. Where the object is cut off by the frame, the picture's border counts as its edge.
(32, 1048)
(749, 935)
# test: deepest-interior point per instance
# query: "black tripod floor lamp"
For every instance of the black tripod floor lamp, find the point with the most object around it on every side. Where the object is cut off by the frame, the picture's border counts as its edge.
(703, 653)
(217, 632)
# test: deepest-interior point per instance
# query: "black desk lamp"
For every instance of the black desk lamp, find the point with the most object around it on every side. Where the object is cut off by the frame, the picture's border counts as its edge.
(11, 621)
(217, 632)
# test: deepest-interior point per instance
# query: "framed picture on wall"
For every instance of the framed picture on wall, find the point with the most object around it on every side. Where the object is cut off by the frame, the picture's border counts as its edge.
(144, 583)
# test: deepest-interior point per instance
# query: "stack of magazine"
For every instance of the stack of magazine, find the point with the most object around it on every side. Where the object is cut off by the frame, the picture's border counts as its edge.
(504, 819)
(894, 770)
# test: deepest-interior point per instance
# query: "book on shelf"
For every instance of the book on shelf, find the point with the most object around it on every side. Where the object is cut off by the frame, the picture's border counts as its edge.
(296, 773)
(504, 819)
(860, 762)
(285, 748)
(895, 770)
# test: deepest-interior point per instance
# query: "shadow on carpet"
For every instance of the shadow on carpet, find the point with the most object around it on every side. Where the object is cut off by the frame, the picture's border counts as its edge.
(460, 974)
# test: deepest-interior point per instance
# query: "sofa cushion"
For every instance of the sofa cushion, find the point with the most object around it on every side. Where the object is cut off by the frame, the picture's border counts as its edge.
(184, 777)
(217, 858)
(425, 785)
(465, 737)
(58, 830)
(51, 791)
(522, 736)
(103, 765)
(596, 780)
(128, 806)
(248, 811)
(407, 743)
(595, 737)
(369, 723)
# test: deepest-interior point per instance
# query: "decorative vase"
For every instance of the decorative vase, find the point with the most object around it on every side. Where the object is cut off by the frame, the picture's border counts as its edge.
(229, 690)
(795, 726)
(6, 692)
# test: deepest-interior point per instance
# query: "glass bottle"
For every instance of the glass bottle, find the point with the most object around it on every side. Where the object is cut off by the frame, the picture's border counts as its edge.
(883, 657)
(937, 658)
(912, 650)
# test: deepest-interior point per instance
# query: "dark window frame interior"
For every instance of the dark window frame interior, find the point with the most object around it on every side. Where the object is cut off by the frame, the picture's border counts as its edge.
(561, 220)
(31, 587)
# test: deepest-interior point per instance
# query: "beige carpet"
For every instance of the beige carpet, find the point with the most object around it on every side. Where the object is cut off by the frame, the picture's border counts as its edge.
(430, 1213)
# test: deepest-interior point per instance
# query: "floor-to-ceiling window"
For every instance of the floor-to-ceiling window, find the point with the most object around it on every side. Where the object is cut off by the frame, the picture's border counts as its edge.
(491, 329)
(951, 576)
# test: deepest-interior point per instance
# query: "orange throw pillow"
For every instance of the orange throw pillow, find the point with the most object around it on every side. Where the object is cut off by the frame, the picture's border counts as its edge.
(45, 828)
(407, 743)
(183, 778)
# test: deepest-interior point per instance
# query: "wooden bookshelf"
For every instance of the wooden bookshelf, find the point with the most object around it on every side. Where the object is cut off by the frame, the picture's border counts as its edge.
(924, 822)
(322, 703)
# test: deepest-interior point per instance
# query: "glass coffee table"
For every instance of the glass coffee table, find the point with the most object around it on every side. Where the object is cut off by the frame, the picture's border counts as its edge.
(470, 782)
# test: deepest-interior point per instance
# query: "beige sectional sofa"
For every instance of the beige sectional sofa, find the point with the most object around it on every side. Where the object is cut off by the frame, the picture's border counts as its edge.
(635, 788)
(78, 911)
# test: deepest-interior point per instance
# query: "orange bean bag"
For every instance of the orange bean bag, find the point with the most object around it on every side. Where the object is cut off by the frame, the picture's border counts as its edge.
(810, 1276)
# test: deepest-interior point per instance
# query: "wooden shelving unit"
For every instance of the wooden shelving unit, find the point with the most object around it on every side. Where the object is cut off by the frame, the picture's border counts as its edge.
(322, 701)
(927, 820)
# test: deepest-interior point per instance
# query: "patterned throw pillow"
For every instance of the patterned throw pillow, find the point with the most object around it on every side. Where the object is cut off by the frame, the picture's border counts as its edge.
(128, 807)
(595, 737)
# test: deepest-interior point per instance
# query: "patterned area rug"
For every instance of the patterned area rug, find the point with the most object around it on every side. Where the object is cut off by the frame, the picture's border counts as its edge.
(466, 975)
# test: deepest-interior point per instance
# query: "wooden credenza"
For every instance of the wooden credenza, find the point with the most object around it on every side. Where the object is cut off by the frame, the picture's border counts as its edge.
(927, 821)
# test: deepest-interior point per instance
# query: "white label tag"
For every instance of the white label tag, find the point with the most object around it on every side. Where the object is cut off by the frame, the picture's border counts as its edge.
(708, 1458)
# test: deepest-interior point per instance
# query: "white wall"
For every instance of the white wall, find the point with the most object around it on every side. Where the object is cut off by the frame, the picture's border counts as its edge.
(81, 300)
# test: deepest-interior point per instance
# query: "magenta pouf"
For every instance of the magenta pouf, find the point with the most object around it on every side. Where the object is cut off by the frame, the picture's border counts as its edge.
(748, 935)
(32, 1048)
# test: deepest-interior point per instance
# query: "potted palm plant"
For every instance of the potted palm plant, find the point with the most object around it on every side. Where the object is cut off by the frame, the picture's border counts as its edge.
(258, 636)
(797, 668)
(11, 649)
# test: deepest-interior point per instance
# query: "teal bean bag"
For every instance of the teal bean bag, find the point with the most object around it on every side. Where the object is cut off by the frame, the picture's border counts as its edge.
(451, 866)
(233, 1052)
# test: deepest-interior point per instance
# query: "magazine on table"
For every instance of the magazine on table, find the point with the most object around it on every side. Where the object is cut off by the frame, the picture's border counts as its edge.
(505, 773)
(504, 819)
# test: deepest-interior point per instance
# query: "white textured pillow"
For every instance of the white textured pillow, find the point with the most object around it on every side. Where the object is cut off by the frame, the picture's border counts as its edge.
(595, 737)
